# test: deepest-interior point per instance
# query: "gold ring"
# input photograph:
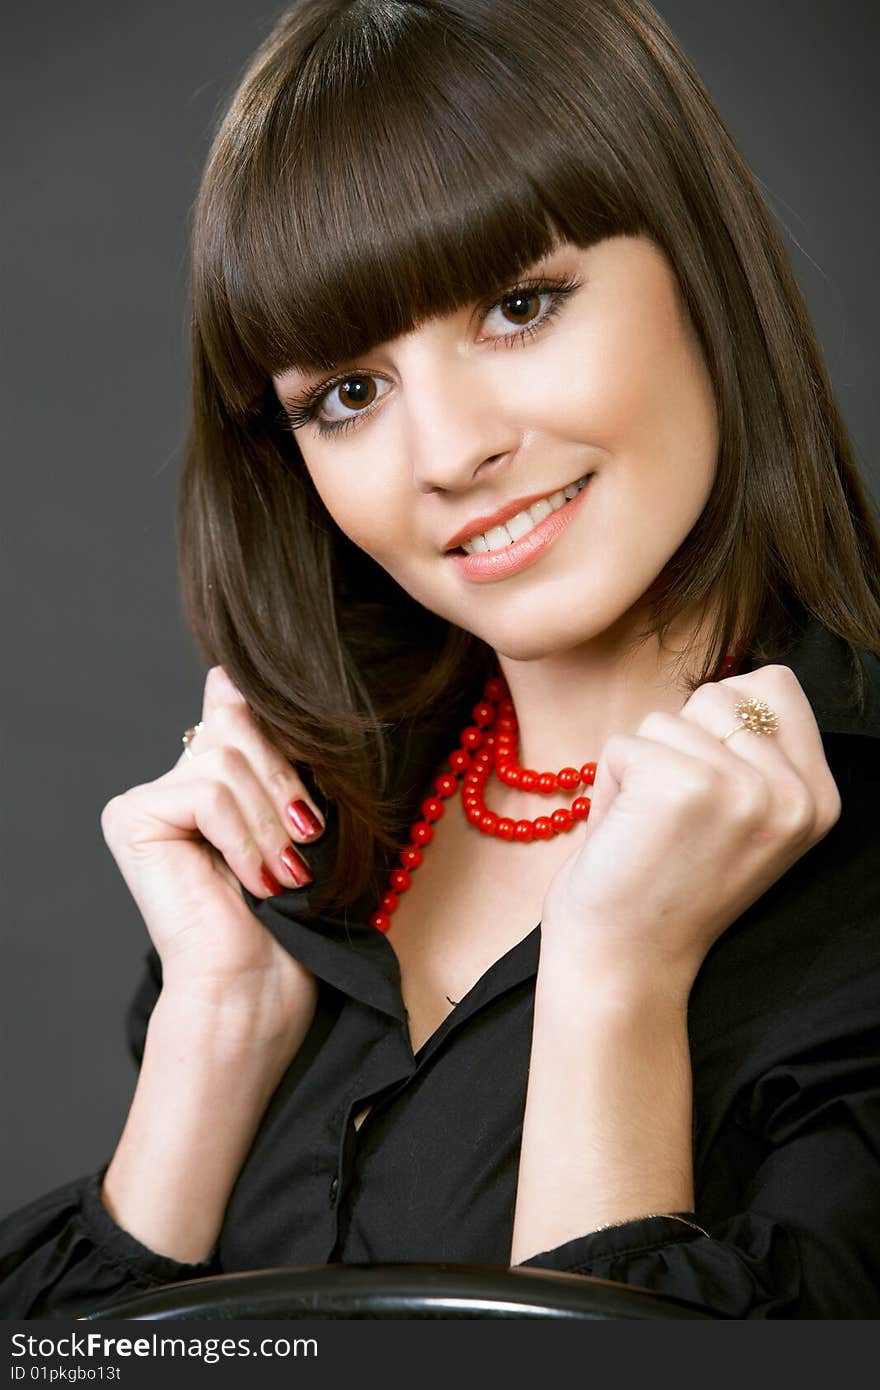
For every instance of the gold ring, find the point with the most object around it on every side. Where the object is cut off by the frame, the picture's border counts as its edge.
(189, 736)
(756, 716)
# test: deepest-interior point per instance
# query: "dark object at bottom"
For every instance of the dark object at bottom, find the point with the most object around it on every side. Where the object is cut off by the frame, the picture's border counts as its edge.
(398, 1291)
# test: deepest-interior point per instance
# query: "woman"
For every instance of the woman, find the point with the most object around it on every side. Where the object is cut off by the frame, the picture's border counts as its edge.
(636, 552)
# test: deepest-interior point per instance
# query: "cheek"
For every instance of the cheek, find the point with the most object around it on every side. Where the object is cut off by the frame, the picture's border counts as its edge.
(641, 392)
(355, 510)
(373, 516)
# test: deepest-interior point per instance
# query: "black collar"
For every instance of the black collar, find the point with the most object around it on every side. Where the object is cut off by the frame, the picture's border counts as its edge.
(821, 662)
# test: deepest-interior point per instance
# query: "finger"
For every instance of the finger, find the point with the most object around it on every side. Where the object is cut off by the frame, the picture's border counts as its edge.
(794, 754)
(635, 772)
(233, 724)
(219, 690)
(263, 840)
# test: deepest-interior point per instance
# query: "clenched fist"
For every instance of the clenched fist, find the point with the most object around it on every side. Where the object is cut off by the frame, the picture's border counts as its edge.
(184, 843)
(686, 831)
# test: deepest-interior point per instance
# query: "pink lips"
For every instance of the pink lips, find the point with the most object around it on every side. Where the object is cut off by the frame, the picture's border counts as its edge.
(498, 564)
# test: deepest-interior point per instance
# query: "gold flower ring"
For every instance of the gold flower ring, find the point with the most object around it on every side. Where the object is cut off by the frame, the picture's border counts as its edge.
(756, 716)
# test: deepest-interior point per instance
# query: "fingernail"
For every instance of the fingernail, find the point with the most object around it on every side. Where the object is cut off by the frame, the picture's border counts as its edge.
(270, 882)
(303, 819)
(296, 866)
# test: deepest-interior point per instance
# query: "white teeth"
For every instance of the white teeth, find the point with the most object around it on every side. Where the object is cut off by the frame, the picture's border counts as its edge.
(539, 510)
(498, 537)
(524, 522)
(520, 525)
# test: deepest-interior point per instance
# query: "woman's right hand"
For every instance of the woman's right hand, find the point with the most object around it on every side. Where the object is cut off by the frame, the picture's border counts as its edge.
(187, 841)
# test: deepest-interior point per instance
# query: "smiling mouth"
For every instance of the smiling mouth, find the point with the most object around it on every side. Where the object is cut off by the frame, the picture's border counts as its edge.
(499, 537)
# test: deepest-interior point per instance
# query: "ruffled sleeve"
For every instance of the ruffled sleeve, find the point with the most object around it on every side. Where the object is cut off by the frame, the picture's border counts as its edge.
(806, 1247)
(63, 1254)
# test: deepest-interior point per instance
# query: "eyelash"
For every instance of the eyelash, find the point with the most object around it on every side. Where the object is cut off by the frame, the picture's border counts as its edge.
(304, 411)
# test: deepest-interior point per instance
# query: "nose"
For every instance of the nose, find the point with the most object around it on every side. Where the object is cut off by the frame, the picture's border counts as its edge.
(458, 427)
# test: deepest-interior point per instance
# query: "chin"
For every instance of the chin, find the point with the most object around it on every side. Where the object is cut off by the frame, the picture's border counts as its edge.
(531, 631)
(537, 641)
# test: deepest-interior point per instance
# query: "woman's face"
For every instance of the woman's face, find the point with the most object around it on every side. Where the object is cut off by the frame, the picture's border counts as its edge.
(470, 415)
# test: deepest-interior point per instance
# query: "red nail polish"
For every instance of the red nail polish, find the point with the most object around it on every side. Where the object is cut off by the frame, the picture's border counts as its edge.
(304, 819)
(296, 866)
(270, 882)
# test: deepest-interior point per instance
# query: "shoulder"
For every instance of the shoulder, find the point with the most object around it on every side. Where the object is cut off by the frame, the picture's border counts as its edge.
(842, 684)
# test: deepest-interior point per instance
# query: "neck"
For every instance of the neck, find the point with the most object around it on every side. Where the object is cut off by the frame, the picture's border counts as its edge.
(567, 703)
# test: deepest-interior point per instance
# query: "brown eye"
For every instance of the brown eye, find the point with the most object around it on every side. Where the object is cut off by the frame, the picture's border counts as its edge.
(519, 303)
(356, 392)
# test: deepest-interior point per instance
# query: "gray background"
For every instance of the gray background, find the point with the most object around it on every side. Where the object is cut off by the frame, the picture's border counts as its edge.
(110, 109)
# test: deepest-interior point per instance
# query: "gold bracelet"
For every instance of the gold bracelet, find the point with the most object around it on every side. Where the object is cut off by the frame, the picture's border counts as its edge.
(653, 1216)
(670, 1216)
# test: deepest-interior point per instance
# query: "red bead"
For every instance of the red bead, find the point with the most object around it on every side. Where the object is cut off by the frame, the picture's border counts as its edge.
(496, 689)
(421, 833)
(490, 743)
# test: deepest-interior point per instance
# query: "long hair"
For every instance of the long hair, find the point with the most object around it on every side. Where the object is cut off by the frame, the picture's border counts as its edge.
(384, 161)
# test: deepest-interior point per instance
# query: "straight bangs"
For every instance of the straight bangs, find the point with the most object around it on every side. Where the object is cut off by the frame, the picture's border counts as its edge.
(405, 161)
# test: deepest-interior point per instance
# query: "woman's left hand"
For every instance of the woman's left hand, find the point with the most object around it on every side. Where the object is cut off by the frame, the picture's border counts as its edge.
(685, 832)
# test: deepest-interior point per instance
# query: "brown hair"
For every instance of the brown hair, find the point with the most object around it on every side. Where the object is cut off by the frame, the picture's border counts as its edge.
(383, 162)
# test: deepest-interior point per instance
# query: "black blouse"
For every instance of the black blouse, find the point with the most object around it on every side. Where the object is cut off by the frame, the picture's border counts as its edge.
(784, 1027)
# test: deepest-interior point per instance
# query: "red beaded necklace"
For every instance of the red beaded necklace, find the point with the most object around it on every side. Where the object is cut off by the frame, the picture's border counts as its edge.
(486, 746)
